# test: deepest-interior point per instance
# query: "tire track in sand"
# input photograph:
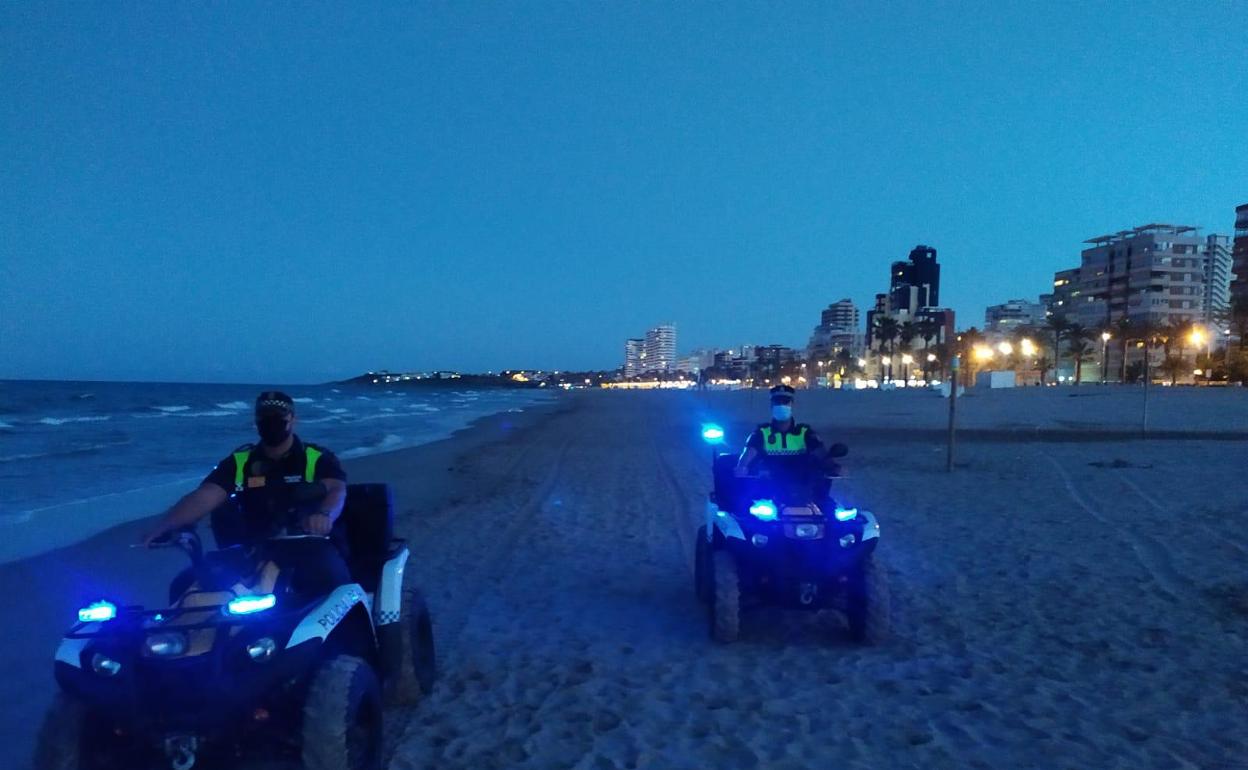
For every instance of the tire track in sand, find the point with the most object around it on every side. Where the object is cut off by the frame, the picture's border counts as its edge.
(449, 621)
(682, 514)
(1156, 505)
(1151, 555)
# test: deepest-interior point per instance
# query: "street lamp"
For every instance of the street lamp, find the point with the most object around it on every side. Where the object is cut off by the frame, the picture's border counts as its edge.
(1105, 335)
(1005, 348)
(906, 360)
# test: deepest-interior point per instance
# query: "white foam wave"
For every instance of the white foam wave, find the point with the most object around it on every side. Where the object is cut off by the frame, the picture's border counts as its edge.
(4, 424)
(233, 405)
(388, 442)
(64, 420)
(303, 400)
(172, 409)
(338, 411)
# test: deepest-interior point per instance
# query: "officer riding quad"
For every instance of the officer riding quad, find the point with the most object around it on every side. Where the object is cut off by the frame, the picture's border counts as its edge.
(784, 542)
(242, 664)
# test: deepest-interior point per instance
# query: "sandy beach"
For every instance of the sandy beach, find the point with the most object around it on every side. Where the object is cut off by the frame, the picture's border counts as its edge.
(1071, 600)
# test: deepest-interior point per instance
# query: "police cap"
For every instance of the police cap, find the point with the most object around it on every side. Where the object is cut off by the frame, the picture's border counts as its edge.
(274, 402)
(781, 394)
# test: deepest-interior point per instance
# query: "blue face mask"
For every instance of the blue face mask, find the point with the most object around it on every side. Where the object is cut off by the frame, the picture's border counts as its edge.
(781, 412)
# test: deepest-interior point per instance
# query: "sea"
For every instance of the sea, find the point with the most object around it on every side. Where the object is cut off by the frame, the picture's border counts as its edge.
(79, 457)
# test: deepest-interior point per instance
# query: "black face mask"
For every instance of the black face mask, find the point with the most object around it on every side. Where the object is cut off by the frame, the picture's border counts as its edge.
(273, 429)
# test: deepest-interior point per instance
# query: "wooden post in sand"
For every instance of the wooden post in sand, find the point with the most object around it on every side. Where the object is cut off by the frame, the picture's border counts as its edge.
(953, 411)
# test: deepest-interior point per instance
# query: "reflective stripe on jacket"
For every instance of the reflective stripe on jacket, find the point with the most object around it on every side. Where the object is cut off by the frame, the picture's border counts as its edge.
(777, 442)
(309, 471)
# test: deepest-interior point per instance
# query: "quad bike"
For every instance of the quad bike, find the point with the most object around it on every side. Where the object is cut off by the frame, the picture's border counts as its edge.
(243, 663)
(777, 542)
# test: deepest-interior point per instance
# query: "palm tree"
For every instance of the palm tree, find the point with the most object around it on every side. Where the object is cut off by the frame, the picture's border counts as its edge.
(967, 341)
(1124, 328)
(1173, 366)
(1057, 325)
(1075, 334)
(886, 330)
(845, 358)
(1239, 319)
(1079, 350)
(906, 333)
(929, 330)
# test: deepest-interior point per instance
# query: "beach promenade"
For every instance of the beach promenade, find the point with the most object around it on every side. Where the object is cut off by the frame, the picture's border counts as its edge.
(1058, 603)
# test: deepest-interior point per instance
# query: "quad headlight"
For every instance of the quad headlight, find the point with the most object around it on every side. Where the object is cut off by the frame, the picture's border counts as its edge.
(764, 510)
(104, 665)
(262, 649)
(806, 531)
(166, 645)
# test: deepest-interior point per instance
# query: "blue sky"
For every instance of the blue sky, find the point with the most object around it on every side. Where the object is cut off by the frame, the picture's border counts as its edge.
(258, 192)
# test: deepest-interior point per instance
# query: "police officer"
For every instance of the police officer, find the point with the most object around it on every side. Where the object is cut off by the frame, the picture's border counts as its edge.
(262, 478)
(782, 444)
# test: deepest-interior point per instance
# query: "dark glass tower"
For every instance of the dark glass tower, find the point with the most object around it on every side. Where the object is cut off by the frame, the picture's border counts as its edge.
(915, 284)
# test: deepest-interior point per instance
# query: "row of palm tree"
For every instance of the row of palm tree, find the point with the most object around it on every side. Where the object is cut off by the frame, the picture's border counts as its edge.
(889, 331)
(1169, 337)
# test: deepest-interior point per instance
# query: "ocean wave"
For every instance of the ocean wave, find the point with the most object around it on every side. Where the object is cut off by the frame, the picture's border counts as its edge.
(5, 426)
(338, 411)
(303, 400)
(74, 450)
(63, 420)
(233, 405)
(171, 409)
(386, 442)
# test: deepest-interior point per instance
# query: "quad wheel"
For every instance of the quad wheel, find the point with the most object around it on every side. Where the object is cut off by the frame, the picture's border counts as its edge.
(71, 738)
(725, 606)
(417, 662)
(342, 728)
(868, 609)
(702, 566)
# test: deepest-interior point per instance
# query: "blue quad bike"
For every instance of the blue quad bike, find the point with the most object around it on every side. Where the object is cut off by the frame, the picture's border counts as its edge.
(784, 542)
(241, 665)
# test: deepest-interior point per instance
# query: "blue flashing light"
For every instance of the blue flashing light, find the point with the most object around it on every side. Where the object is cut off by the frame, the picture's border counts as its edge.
(712, 434)
(845, 514)
(246, 605)
(764, 509)
(97, 612)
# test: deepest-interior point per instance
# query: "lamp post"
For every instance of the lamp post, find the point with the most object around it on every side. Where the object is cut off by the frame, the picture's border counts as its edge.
(1104, 356)
(906, 360)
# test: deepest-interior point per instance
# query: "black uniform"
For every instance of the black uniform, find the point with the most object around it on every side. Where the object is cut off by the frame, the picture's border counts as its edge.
(265, 503)
(791, 458)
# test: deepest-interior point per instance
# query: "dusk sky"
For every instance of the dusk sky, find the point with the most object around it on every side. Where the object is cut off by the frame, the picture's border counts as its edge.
(255, 192)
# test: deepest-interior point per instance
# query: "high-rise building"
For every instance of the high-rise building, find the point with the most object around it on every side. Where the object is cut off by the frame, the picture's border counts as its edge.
(838, 329)
(1065, 290)
(660, 349)
(1005, 318)
(634, 357)
(1239, 256)
(915, 283)
(1154, 273)
(1218, 263)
